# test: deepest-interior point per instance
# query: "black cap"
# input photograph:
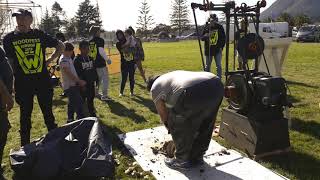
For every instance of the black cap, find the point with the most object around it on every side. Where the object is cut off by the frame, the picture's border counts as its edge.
(213, 17)
(22, 12)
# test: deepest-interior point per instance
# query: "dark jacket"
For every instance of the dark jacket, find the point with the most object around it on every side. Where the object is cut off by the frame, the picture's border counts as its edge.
(85, 68)
(216, 39)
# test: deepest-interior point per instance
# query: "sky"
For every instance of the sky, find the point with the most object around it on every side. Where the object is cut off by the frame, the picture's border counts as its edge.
(119, 14)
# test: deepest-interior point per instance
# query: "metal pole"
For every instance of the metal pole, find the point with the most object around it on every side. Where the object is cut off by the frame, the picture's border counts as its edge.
(227, 42)
(198, 35)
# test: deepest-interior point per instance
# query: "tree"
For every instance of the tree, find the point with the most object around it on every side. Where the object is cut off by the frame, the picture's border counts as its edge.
(145, 20)
(180, 16)
(6, 24)
(161, 28)
(286, 17)
(70, 28)
(301, 19)
(86, 16)
(57, 16)
(47, 24)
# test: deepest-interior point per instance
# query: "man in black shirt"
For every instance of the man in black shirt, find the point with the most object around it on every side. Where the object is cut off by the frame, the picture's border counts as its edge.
(214, 40)
(240, 34)
(25, 49)
(6, 101)
(99, 57)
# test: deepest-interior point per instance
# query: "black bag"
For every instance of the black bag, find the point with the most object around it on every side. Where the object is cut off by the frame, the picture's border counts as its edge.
(78, 149)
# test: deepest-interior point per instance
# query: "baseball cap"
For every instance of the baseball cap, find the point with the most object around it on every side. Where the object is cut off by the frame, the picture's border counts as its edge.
(93, 30)
(213, 17)
(22, 12)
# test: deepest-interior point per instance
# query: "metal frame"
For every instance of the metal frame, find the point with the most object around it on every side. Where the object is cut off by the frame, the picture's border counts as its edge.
(231, 11)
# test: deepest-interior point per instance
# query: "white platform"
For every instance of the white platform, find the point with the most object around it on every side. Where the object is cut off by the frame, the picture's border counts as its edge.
(218, 166)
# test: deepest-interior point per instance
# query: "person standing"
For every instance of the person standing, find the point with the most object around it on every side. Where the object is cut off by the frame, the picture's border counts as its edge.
(214, 40)
(139, 55)
(86, 71)
(6, 101)
(99, 56)
(240, 34)
(188, 103)
(25, 49)
(127, 63)
(71, 84)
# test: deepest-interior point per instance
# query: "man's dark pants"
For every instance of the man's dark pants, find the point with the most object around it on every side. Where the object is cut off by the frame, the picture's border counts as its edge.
(75, 104)
(88, 97)
(191, 120)
(24, 97)
(4, 129)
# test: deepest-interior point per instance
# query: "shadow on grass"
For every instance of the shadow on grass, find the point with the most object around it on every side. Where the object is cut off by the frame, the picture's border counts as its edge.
(120, 110)
(302, 166)
(146, 102)
(301, 84)
(293, 99)
(141, 86)
(306, 127)
(112, 133)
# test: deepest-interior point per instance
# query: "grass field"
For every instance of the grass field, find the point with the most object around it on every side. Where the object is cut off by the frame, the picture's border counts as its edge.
(127, 114)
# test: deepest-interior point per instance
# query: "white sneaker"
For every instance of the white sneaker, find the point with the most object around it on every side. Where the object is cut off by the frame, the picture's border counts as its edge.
(105, 98)
(120, 95)
(131, 94)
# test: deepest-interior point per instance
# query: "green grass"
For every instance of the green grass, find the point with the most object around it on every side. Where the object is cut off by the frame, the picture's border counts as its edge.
(127, 114)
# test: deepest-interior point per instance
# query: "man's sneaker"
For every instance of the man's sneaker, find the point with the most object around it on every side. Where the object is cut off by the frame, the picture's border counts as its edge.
(120, 95)
(105, 98)
(131, 94)
(177, 164)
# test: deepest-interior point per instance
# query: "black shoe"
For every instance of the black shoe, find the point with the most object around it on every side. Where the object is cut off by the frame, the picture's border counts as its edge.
(198, 161)
(177, 164)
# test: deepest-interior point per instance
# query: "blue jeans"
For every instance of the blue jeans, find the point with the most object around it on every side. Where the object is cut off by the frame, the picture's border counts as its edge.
(217, 58)
(75, 104)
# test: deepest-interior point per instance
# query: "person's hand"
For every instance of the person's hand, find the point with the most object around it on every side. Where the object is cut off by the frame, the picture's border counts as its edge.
(166, 125)
(7, 102)
(49, 60)
(82, 83)
(109, 61)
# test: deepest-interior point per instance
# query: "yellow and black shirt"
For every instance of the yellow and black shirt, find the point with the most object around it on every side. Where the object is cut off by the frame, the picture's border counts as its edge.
(27, 52)
(215, 40)
(95, 44)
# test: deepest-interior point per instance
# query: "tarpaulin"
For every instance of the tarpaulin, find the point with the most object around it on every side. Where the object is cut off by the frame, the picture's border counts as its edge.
(77, 149)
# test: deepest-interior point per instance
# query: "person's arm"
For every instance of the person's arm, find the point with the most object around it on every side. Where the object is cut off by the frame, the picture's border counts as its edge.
(68, 72)
(8, 48)
(103, 54)
(127, 43)
(162, 111)
(59, 50)
(223, 37)
(6, 98)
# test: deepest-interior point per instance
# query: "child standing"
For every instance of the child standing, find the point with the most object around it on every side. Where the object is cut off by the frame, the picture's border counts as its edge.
(71, 84)
(130, 40)
(127, 63)
(84, 66)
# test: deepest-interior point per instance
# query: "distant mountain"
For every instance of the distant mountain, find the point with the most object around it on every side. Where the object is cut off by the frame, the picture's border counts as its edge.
(293, 7)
